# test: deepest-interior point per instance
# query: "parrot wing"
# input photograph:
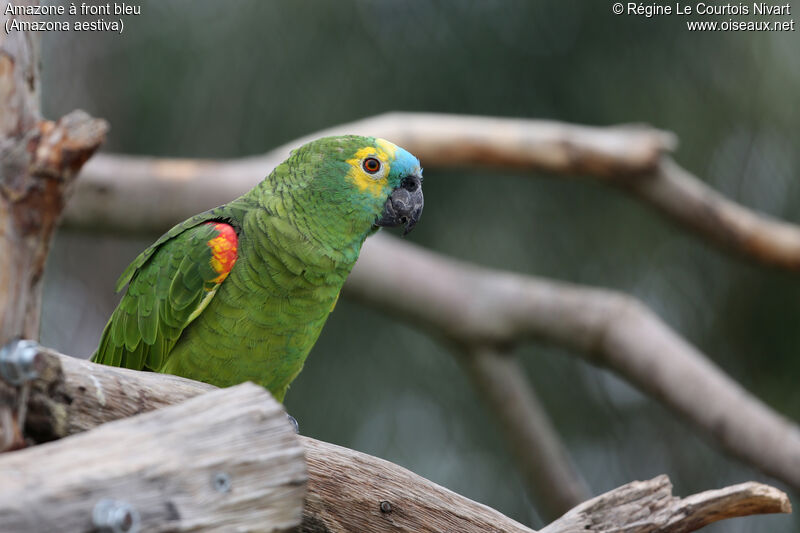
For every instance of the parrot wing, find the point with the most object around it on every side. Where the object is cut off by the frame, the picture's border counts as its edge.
(170, 284)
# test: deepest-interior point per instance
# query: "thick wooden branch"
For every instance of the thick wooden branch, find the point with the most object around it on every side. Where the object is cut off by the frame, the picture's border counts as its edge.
(143, 193)
(38, 162)
(227, 460)
(347, 491)
(73, 395)
(476, 307)
(354, 492)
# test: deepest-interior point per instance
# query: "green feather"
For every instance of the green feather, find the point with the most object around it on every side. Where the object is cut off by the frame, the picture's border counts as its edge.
(300, 231)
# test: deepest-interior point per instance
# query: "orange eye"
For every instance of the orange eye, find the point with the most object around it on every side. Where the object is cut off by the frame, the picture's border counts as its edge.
(371, 165)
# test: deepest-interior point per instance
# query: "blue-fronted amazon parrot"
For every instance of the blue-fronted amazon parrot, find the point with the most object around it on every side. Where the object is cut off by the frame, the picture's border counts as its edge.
(241, 292)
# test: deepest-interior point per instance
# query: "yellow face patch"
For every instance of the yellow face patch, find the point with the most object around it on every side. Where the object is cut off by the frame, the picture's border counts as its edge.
(374, 184)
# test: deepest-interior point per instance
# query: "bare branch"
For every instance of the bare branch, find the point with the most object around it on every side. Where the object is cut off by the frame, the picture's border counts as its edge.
(549, 474)
(481, 307)
(347, 490)
(143, 193)
(353, 491)
(38, 161)
(650, 506)
(687, 200)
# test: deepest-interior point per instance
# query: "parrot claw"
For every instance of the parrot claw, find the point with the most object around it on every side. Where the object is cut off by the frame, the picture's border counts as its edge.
(293, 422)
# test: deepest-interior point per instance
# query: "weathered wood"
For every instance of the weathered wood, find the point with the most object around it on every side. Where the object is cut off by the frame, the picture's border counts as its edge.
(38, 162)
(350, 491)
(645, 506)
(354, 492)
(73, 395)
(474, 307)
(227, 460)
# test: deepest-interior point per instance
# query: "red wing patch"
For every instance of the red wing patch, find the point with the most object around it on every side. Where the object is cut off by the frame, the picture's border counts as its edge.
(223, 250)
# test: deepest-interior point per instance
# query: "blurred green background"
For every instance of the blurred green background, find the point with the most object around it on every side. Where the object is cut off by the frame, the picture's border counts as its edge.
(223, 79)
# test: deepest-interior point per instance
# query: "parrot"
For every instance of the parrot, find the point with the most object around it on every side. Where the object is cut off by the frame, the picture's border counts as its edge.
(241, 292)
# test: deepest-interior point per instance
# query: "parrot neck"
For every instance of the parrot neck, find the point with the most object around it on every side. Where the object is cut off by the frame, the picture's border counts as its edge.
(331, 230)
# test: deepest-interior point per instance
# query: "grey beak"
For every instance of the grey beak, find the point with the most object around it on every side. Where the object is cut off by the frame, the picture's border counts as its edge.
(404, 205)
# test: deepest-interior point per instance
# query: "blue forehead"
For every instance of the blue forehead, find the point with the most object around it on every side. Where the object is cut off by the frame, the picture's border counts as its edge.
(405, 163)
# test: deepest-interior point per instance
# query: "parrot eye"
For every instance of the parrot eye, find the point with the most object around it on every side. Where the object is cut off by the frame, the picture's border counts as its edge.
(371, 165)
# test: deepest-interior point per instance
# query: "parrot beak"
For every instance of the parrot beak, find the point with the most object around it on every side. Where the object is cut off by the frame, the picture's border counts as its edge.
(404, 205)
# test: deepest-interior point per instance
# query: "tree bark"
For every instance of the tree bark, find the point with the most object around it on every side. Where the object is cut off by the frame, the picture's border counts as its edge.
(650, 506)
(130, 193)
(224, 461)
(38, 162)
(347, 491)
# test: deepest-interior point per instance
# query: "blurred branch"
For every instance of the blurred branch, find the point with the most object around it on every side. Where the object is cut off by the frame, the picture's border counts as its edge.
(477, 307)
(145, 193)
(684, 198)
(347, 490)
(550, 476)
(483, 308)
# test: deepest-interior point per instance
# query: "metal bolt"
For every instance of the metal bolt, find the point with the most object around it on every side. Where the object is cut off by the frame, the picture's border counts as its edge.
(20, 361)
(221, 482)
(386, 507)
(114, 516)
(293, 422)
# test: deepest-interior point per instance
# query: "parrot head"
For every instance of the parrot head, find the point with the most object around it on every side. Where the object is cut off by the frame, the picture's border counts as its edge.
(366, 181)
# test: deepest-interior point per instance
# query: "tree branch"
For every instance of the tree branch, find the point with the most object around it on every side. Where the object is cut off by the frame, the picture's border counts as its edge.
(132, 193)
(347, 490)
(699, 208)
(650, 506)
(145, 193)
(38, 161)
(611, 329)
(549, 474)
(473, 306)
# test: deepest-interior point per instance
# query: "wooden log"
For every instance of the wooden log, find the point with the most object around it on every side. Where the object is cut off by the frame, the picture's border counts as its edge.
(73, 395)
(227, 460)
(350, 491)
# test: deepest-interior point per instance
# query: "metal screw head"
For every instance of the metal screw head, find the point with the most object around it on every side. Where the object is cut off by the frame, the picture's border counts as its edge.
(293, 422)
(221, 482)
(386, 507)
(20, 361)
(113, 516)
